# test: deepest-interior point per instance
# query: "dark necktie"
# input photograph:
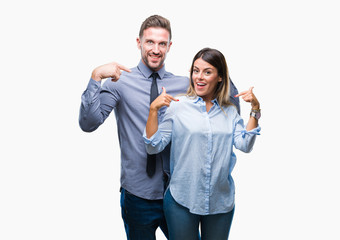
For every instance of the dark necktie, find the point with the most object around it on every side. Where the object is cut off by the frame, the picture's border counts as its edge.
(151, 158)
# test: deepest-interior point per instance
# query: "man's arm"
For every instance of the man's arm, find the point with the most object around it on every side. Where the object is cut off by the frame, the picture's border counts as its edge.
(110, 70)
(97, 103)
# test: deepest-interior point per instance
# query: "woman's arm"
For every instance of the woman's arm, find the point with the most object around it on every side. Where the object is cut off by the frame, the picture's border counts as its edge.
(244, 139)
(249, 96)
(152, 124)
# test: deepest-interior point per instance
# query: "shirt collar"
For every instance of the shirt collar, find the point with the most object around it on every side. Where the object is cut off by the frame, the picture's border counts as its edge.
(199, 99)
(147, 71)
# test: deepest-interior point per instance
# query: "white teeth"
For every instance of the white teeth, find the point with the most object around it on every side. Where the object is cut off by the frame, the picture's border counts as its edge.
(200, 84)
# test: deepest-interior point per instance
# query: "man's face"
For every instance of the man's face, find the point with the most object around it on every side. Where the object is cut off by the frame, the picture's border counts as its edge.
(154, 46)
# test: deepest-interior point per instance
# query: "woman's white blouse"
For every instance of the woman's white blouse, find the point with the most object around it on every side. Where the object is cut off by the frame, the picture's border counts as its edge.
(202, 157)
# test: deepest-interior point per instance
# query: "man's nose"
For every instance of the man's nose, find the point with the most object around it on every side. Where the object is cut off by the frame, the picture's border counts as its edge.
(155, 48)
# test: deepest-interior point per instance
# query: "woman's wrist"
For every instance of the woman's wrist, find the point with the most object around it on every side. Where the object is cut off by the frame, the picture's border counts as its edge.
(153, 110)
(255, 106)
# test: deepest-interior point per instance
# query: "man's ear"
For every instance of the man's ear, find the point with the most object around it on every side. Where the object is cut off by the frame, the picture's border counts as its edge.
(138, 43)
(169, 46)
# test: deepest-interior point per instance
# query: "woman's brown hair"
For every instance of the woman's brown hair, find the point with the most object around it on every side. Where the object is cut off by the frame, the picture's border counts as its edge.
(216, 59)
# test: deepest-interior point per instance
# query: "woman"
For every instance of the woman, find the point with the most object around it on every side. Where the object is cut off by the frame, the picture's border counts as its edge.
(203, 127)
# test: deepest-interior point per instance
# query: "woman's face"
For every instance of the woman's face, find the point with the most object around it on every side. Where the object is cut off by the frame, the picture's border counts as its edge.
(205, 78)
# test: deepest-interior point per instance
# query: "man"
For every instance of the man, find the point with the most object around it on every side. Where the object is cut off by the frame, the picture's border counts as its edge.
(141, 189)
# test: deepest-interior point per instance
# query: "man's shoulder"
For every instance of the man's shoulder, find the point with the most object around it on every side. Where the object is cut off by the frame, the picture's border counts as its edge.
(133, 74)
(126, 78)
(171, 75)
(180, 82)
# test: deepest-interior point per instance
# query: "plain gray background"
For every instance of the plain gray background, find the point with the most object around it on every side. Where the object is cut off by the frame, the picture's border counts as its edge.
(57, 182)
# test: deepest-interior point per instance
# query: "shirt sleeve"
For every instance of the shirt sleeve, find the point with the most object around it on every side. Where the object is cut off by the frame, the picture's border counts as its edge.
(157, 142)
(244, 140)
(96, 105)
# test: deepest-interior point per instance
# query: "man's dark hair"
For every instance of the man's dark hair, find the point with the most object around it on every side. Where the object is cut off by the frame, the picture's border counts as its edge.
(155, 21)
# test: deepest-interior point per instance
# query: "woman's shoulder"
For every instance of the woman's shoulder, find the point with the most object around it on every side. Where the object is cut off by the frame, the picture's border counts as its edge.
(230, 109)
(181, 101)
(183, 98)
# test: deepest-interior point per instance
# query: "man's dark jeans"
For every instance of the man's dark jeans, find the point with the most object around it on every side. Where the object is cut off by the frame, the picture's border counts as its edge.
(142, 217)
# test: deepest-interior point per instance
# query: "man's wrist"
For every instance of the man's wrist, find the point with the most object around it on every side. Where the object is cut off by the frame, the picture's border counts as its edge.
(95, 76)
